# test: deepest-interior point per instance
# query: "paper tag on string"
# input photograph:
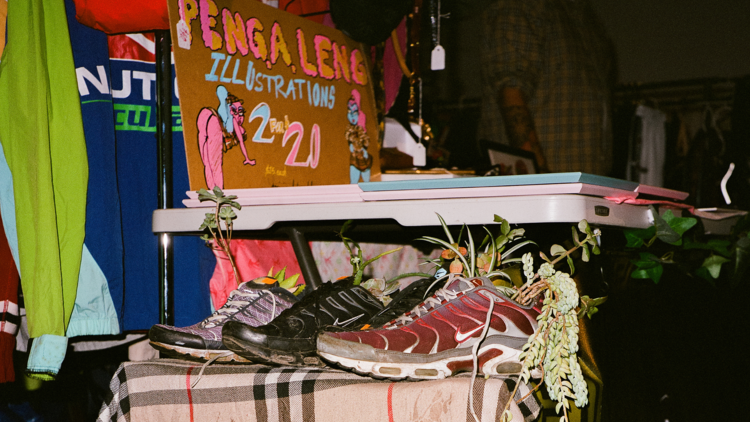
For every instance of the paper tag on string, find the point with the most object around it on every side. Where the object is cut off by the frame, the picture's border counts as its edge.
(437, 61)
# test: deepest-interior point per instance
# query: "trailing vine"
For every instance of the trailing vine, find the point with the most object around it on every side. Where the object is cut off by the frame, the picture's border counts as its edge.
(553, 348)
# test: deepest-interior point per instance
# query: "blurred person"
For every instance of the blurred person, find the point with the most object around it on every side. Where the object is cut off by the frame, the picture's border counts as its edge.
(548, 69)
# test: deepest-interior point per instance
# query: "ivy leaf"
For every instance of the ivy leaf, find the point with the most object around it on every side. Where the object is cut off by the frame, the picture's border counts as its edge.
(646, 260)
(719, 246)
(713, 264)
(663, 230)
(678, 225)
(703, 273)
(638, 237)
(654, 273)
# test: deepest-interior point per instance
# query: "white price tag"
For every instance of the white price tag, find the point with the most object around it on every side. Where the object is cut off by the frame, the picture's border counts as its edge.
(437, 61)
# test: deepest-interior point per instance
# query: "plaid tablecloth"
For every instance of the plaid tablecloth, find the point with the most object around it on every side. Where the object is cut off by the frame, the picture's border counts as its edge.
(160, 390)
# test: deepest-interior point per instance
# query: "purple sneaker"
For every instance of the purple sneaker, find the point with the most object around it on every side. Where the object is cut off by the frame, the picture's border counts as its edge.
(254, 303)
(440, 337)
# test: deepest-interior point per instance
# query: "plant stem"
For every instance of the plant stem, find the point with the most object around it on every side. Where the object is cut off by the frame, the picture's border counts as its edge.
(224, 243)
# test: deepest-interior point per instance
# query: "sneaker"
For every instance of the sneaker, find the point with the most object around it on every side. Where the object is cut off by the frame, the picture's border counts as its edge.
(255, 303)
(436, 339)
(406, 298)
(290, 339)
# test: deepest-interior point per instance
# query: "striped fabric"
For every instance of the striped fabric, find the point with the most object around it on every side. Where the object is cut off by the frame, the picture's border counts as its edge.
(557, 53)
(159, 390)
(9, 318)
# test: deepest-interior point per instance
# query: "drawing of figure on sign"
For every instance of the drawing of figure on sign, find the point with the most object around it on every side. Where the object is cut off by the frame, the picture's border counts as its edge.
(360, 161)
(220, 129)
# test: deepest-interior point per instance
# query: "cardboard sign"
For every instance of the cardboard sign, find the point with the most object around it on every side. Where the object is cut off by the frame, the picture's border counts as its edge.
(270, 99)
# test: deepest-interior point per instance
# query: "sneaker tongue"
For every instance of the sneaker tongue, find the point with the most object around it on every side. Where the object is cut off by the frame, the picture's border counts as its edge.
(262, 283)
(461, 284)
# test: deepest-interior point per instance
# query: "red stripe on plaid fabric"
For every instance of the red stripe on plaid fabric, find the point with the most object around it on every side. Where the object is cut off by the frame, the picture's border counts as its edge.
(390, 402)
(189, 392)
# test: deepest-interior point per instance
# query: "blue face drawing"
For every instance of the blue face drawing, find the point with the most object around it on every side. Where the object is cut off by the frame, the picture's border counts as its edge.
(352, 113)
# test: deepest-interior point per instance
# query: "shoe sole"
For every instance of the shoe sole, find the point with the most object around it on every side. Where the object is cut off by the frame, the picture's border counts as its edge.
(257, 354)
(198, 355)
(493, 358)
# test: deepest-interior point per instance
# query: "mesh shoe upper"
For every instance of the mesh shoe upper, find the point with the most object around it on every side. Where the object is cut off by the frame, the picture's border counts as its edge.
(441, 329)
(406, 299)
(253, 303)
(339, 304)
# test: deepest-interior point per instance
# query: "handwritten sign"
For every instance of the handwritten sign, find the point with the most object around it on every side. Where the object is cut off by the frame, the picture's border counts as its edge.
(270, 99)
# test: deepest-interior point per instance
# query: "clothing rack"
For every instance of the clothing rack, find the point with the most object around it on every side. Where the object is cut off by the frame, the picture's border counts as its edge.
(677, 95)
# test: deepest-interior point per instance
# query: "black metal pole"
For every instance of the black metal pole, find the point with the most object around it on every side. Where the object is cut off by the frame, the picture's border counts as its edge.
(304, 257)
(164, 166)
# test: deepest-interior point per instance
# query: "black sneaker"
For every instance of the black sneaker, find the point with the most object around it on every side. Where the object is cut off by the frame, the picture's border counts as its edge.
(255, 302)
(405, 300)
(290, 339)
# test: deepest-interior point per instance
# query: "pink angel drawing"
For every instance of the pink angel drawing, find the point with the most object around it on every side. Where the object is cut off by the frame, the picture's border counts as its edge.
(220, 129)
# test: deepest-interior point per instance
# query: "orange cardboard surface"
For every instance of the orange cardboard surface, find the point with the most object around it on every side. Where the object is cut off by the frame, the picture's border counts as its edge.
(271, 99)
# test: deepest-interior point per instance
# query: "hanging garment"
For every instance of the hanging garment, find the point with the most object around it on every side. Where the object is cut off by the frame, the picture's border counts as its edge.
(3, 16)
(652, 147)
(103, 233)
(133, 92)
(93, 313)
(45, 150)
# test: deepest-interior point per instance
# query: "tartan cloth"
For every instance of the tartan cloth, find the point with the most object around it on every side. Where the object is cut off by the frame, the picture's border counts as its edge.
(558, 54)
(159, 390)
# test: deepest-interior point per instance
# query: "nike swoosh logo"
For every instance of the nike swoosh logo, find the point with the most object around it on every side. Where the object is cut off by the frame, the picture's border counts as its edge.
(338, 323)
(462, 337)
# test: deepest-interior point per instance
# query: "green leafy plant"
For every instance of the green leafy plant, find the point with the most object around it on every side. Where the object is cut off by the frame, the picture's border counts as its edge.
(380, 288)
(218, 238)
(553, 348)
(492, 250)
(289, 283)
(679, 243)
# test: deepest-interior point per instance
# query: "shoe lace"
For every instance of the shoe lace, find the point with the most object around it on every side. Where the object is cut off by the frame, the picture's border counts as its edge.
(205, 365)
(235, 305)
(439, 297)
(474, 357)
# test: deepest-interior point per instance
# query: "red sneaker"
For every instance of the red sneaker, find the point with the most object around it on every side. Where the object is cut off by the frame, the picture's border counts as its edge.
(436, 339)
